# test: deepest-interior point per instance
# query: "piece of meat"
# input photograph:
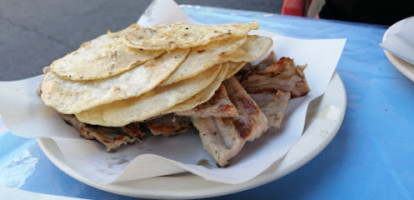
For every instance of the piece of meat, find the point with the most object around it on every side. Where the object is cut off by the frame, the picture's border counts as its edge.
(282, 75)
(219, 138)
(224, 137)
(218, 106)
(111, 137)
(134, 129)
(251, 120)
(270, 59)
(273, 105)
(169, 124)
(248, 67)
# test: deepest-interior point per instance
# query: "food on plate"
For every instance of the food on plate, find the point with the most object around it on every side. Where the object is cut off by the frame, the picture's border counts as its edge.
(76, 96)
(254, 48)
(224, 137)
(101, 58)
(217, 106)
(162, 80)
(281, 75)
(229, 50)
(111, 137)
(234, 67)
(204, 94)
(169, 124)
(184, 35)
(273, 105)
(150, 104)
(204, 57)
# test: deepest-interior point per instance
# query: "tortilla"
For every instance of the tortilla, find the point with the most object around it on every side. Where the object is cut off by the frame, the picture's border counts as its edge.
(204, 95)
(254, 48)
(70, 97)
(234, 68)
(203, 57)
(184, 35)
(101, 58)
(151, 104)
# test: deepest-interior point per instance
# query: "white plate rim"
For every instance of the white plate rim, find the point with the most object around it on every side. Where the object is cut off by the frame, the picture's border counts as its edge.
(401, 65)
(294, 159)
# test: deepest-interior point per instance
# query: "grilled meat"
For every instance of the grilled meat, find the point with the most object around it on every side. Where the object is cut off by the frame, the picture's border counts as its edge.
(111, 137)
(222, 141)
(134, 130)
(224, 137)
(218, 106)
(282, 75)
(169, 125)
(273, 105)
(251, 122)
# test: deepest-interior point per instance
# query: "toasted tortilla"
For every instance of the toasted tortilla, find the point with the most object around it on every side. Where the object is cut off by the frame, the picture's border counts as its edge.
(234, 67)
(151, 104)
(246, 50)
(203, 95)
(184, 35)
(70, 97)
(204, 57)
(101, 58)
(254, 48)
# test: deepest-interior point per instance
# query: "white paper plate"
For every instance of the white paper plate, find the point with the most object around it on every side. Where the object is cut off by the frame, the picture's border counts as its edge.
(403, 66)
(325, 116)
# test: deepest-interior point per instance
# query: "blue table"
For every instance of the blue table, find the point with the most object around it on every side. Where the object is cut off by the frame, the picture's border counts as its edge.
(371, 157)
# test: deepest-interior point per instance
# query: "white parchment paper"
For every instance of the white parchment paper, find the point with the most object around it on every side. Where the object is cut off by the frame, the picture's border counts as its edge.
(25, 115)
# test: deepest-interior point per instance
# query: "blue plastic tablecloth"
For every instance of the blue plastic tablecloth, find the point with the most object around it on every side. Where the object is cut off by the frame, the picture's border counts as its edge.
(371, 157)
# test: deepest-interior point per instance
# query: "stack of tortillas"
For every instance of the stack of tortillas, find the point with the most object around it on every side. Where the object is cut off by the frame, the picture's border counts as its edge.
(139, 73)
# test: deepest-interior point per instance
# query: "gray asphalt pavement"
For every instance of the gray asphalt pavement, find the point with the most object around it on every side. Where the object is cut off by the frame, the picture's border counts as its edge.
(33, 33)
